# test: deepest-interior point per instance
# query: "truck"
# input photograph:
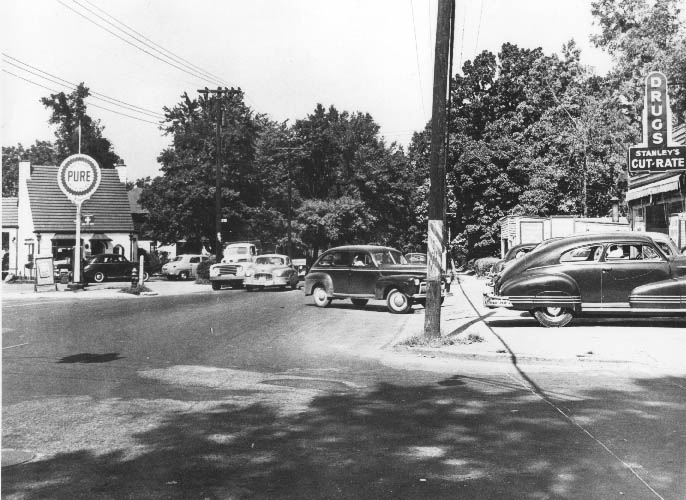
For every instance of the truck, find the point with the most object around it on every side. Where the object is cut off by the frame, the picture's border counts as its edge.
(238, 256)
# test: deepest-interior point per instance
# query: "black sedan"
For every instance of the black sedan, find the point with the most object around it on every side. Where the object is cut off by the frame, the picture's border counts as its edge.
(111, 266)
(610, 274)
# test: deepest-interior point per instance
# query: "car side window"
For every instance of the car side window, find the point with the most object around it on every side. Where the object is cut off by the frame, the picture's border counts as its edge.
(336, 259)
(195, 260)
(362, 259)
(588, 253)
(631, 252)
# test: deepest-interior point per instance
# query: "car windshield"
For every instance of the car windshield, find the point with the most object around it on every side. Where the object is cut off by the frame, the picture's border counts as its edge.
(269, 261)
(236, 250)
(94, 259)
(388, 257)
(416, 258)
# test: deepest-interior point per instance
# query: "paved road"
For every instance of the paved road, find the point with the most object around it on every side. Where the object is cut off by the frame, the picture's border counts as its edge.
(261, 395)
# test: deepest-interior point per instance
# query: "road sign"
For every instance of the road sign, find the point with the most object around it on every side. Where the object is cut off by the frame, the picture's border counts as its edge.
(79, 177)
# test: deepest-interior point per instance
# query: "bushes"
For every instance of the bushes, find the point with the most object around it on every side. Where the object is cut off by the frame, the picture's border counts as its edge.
(204, 271)
(483, 266)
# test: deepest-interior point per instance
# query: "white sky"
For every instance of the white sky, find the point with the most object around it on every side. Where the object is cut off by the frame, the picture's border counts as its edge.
(372, 56)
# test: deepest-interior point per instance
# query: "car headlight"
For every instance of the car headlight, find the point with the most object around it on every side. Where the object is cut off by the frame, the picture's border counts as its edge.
(248, 272)
(214, 271)
(417, 281)
(280, 274)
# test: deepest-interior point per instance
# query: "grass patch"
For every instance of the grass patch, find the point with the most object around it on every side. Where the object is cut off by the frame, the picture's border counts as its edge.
(419, 341)
(135, 291)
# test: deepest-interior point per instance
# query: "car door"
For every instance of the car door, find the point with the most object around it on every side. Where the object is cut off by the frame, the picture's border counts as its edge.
(628, 265)
(121, 267)
(363, 274)
(583, 265)
(337, 266)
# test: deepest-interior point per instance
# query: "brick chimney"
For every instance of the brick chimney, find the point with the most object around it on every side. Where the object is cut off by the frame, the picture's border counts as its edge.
(121, 170)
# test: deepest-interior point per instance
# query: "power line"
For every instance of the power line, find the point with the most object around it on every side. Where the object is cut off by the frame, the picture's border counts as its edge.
(96, 95)
(176, 61)
(478, 29)
(171, 54)
(193, 74)
(89, 104)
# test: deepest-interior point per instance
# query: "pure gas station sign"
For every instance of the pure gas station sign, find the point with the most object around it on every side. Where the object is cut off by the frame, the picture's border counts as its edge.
(78, 177)
(657, 153)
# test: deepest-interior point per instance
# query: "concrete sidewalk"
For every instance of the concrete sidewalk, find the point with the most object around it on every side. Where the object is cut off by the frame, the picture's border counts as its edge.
(108, 290)
(471, 331)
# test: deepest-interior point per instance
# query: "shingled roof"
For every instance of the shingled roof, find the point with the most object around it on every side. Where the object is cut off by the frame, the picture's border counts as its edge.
(10, 216)
(53, 212)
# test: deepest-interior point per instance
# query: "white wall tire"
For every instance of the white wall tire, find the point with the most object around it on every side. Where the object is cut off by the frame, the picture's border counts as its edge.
(397, 302)
(99, 277)
(553, 317)
(319, 297)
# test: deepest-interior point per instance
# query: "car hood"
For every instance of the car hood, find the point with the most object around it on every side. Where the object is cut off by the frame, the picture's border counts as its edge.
(267, 268)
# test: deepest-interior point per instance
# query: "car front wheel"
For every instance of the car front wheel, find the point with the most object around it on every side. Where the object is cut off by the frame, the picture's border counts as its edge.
(99, 277)
(320, 298)
(553, 317)
(183, 275)
(397, 302)
(216, 285)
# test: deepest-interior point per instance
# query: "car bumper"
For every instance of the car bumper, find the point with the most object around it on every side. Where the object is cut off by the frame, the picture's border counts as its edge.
(492, 301)
(275, 281)
(227, 279)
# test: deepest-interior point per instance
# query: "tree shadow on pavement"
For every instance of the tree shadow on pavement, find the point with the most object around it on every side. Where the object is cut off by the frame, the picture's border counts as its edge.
(462, 437)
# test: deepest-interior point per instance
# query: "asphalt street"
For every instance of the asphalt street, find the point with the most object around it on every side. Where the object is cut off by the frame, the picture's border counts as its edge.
(262, 395)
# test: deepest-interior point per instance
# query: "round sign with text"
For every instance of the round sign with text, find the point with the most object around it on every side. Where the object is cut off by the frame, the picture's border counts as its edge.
(78, 177)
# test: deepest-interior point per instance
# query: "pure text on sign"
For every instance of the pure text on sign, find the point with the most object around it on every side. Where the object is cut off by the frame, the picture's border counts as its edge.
(657, 160)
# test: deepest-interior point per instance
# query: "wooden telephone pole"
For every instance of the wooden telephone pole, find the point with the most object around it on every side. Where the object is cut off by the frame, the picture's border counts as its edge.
(218, 184)
(432, 319)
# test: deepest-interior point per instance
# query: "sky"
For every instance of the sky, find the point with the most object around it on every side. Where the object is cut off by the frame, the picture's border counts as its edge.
(137, 56)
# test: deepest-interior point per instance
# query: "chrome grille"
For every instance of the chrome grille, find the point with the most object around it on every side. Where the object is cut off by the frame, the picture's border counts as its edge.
(228, 269)
(263, 276)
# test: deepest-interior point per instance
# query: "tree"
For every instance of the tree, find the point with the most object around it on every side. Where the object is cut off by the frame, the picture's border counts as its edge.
(181, 202)
(69, 111)
(644, 36)
(41, 153)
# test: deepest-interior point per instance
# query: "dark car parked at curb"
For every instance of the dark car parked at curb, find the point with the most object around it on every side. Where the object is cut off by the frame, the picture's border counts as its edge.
(609, 274)
(364, 272)
(109, 266)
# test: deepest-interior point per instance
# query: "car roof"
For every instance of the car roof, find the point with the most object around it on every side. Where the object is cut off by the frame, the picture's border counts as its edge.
(273, 255)
(368, 248)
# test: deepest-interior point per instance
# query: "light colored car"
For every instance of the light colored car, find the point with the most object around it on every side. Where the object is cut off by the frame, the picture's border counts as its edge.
(183, 266)
(271, 270)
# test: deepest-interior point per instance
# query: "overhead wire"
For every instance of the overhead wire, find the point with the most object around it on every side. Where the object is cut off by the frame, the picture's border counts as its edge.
(170, 63)
(478, 28)
(150, 44)
(90, 103)
(61, 81)
(168, 57)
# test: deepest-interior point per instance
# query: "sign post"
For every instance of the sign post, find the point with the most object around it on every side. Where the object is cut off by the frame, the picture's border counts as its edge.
(657, 153)
(78, 177)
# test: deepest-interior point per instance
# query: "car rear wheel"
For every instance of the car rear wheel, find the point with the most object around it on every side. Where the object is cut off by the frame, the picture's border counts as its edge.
(359, 302)
(319, 297)
(553, 317)
(146, 276)
(397, 302)
(99, 277)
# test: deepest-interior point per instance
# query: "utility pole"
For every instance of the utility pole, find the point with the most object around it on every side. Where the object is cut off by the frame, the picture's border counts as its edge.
(290, 240)
(432, 319)
(218, 184)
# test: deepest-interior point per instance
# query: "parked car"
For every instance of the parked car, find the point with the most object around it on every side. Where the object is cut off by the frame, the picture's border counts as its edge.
(416, 258)
(513, 253)
(183, 266)
(271, 270)
(365, 272)
(610, 274)
(109, 266)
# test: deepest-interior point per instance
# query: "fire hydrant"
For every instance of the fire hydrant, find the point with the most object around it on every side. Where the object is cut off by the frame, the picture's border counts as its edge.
(134, 278)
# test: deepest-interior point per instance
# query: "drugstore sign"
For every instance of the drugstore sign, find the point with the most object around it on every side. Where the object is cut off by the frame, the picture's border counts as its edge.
(656, 153)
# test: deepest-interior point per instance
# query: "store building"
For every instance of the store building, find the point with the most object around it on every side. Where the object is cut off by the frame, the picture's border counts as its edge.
(45, 220)
(657, 201)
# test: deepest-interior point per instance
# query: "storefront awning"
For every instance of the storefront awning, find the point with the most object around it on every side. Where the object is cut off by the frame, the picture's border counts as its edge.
(662, 186)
